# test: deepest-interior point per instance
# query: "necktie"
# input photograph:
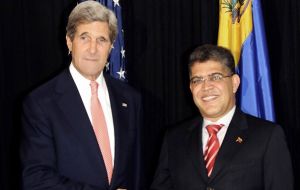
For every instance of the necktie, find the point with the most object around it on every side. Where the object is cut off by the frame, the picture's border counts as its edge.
(100, 129)
(212, 147)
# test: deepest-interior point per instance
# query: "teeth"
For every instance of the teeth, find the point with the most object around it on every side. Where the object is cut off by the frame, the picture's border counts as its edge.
(208, 98)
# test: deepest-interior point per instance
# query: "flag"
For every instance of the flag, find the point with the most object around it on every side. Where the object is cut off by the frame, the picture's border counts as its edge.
(116, 62)
(241, 29)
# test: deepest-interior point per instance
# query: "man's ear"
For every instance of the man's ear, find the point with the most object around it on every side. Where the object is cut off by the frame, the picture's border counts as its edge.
(235, 82)
(69, 43)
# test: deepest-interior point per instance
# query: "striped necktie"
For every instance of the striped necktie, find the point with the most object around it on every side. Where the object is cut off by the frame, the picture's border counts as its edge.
(212, 147)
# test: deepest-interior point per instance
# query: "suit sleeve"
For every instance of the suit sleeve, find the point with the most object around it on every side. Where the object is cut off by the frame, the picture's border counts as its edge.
(38, 153)
(139, 176)
(162, 178)
(278, 172)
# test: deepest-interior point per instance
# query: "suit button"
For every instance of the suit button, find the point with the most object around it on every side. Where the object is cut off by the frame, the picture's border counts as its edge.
(209, 188)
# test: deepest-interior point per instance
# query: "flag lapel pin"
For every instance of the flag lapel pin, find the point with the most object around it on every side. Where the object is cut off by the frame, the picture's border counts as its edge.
(239, 140)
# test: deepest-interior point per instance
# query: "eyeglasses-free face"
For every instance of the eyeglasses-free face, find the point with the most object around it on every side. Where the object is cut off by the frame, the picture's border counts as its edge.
(90, 48)
(213, 88)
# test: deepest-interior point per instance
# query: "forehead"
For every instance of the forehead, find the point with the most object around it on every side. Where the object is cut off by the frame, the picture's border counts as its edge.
(96, 28)
(207, 67)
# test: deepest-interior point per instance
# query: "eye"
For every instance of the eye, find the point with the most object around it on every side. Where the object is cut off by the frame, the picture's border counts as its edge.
(197, 80)
(102, 40)
(84, 38)
(216, 77)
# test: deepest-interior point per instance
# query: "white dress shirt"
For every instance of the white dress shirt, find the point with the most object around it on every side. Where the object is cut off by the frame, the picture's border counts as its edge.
(225, 120)
(83, 86)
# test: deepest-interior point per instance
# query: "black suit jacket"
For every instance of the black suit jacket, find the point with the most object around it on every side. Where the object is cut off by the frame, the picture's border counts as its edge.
(59, 149)
(260, 161)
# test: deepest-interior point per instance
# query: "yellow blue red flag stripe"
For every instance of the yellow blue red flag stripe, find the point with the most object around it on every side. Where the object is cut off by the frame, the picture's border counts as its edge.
(241, 29)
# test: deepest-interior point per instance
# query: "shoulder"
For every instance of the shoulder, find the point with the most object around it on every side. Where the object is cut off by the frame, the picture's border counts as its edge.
(245, 120)
(255, 121)
(185, 127)
(120, 86)
(50, 88)
(262, 128)
(258, 123)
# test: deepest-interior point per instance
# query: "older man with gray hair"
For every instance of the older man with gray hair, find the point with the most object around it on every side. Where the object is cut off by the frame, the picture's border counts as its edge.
(81, 128)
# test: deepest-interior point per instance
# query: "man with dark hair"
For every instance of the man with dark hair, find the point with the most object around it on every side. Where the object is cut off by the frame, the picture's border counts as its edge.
(81, 129)
(224, 148)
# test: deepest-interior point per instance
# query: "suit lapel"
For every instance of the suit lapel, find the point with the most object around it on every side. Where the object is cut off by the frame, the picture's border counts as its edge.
(231, 144)
(120, 115)
(69, 101)
(194, 147)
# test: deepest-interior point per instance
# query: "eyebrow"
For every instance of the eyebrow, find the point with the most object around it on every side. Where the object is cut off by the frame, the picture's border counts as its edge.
(84, 33)
(208, 75)
(100, 37)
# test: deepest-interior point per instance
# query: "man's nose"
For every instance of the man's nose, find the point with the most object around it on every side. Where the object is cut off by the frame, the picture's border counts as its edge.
(93, 46)
(207, 84)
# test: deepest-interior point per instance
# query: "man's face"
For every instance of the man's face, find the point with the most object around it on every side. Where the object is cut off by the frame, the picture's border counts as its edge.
(216, 97)
(90, 48)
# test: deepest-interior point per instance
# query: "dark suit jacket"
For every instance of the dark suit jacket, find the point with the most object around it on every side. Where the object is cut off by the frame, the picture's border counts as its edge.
(260, 161)
(59, 149)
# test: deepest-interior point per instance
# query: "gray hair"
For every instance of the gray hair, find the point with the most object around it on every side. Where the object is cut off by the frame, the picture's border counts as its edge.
(91, 11)
(212, 52)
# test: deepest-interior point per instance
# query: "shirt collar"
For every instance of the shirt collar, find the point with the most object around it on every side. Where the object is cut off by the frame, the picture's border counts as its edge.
(81, 80)
(225, 120)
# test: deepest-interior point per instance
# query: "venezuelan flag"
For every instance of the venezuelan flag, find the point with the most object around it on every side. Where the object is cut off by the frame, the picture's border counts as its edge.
(241, 29)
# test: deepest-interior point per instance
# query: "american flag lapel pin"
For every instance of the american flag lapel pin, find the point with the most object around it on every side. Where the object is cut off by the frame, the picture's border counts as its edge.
(239, 140)
(124, 105)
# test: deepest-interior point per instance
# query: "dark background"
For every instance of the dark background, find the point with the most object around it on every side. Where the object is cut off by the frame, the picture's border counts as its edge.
(159, 34)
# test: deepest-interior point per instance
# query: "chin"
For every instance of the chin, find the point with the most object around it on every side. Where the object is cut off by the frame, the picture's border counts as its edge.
(211, 113)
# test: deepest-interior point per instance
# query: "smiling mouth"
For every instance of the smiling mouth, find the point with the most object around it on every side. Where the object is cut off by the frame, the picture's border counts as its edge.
(209, 98)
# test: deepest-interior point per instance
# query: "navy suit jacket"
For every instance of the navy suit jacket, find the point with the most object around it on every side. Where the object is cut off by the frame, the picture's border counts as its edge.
(59, 149)
(253, 156)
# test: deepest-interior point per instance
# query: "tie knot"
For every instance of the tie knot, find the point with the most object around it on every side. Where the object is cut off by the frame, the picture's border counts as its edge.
(213, 129)
(94, 87)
